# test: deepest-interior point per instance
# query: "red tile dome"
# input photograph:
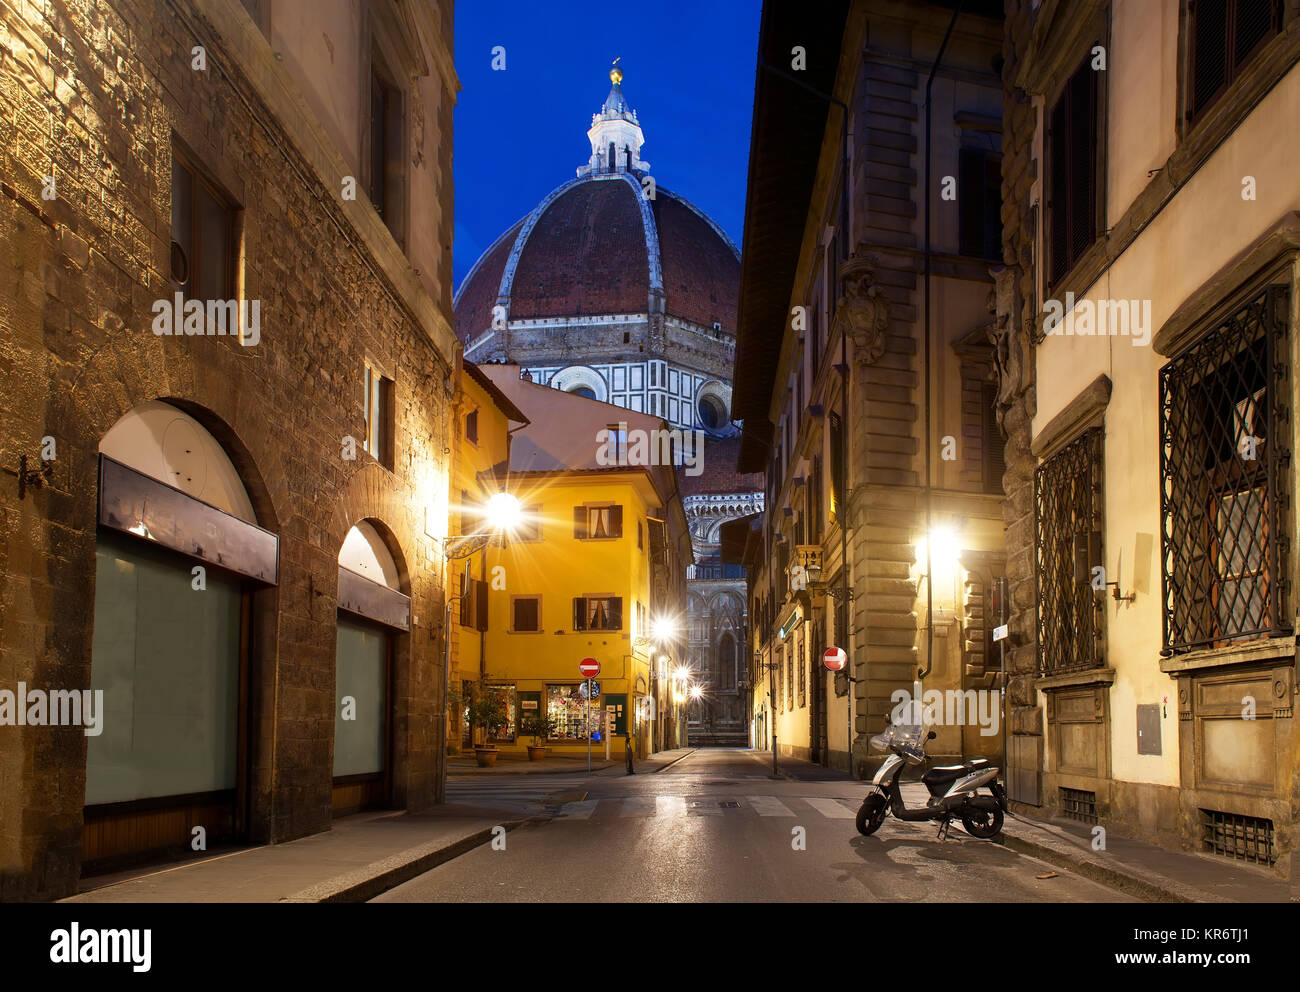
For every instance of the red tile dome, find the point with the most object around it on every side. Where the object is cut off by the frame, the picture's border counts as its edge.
(597, 246)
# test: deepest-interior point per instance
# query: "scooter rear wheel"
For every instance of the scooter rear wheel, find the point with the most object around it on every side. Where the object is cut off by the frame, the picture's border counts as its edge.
(982, 823)
(871, 814)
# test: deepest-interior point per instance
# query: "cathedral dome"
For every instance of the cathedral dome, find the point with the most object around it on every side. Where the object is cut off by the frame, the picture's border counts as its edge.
(597, 245)
(609, 242)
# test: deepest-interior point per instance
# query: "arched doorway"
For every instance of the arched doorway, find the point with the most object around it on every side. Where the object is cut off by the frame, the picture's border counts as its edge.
(179, 556)
(373, 613)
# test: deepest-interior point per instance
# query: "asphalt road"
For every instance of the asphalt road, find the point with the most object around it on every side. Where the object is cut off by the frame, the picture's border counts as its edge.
(716, 827)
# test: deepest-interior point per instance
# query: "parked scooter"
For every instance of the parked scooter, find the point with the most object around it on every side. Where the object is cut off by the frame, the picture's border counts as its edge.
(954, 789)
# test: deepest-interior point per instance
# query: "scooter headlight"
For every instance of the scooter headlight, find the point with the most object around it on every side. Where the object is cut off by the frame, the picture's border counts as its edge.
(913, 754)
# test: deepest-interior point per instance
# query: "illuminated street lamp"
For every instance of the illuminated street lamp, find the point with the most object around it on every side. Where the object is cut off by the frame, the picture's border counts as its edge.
(504, 512)
(663, 629)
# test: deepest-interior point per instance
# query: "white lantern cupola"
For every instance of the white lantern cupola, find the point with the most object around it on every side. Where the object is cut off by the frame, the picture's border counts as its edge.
(615, 134)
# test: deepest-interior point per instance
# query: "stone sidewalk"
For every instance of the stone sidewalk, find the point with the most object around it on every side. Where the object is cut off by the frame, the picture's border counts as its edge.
(359, 857)
(1140, 869)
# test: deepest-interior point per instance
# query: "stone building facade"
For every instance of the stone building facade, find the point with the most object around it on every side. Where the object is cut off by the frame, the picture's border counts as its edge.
(1149, 470)
(218, 531)
(618, 289)
(882, 532)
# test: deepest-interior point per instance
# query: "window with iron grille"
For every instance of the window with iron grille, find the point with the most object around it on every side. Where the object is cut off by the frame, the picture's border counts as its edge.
(1223, 404)
(1242, 838)
(1067, 537)
(1076, 804)
(1222, 37)
(1073, 167)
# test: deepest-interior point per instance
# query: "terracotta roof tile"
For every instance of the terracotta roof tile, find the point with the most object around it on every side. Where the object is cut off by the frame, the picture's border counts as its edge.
(701, 273)
(479, 293)
(586, 255)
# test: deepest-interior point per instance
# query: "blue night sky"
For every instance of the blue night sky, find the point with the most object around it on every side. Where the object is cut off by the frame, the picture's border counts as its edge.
(519, 133)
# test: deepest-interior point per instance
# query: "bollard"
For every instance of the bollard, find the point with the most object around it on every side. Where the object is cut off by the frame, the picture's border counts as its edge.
(628, 740)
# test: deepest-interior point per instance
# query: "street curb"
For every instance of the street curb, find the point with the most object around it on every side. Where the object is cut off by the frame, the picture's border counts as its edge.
(1129, 879)
(363, 884)
(674, 761)
(542, 771)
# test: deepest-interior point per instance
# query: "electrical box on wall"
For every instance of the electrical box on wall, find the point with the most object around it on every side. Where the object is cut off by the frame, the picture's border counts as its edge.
(1148, 728)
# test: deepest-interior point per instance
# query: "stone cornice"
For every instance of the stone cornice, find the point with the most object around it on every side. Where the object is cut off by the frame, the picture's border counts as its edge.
(1093, 676)
(1266, 250)
(1078, 414)
(1279, 649)
(1060, 28)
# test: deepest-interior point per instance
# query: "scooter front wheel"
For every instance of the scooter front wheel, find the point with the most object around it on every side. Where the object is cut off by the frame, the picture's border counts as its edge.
(982, 823)
(871, 814)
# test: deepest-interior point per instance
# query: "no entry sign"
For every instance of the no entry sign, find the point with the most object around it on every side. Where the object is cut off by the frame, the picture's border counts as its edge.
(835, 659)
(589, 667)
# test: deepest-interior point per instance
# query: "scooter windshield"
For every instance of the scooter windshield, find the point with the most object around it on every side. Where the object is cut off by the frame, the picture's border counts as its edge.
(907, 736)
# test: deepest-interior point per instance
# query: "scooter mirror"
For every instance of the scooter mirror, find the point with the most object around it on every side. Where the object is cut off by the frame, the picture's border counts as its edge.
(931, 736)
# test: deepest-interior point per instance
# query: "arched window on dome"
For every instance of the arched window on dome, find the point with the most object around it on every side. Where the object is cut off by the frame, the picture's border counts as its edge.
(627, 152)
(711, 413)
(613, 157)
(586, 391)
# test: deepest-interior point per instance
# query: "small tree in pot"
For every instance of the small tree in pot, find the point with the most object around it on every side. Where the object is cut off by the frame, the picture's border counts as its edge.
(488, 710)
(539, 728)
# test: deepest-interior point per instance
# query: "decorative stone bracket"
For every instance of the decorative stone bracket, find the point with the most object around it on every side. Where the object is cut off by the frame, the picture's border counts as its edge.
(862, 314)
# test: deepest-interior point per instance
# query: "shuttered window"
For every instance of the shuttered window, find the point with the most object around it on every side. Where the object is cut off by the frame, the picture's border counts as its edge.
(597, 522)
(1223, 36)
(1072, 168)
(474, 605)
(527, 614)
(994, 445)
(837, 465)
(597, 613)
(979, 202)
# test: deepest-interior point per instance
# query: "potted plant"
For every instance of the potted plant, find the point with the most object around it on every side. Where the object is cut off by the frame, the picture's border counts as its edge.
(539, 728)
(488, 710)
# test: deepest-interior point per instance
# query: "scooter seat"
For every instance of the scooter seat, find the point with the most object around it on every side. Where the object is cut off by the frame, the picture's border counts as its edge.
(950, 773)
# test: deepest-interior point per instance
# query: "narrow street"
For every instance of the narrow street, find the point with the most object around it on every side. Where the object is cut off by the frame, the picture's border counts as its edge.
(716, 827)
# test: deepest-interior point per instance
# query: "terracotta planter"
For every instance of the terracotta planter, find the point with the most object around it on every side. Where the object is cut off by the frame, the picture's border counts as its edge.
(486, 756)
(536, 752)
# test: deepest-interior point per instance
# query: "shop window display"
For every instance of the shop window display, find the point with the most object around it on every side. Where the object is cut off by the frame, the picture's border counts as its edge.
(565, 705)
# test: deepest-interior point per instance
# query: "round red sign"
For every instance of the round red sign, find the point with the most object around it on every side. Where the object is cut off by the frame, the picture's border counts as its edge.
(589, 667)
(835, 659)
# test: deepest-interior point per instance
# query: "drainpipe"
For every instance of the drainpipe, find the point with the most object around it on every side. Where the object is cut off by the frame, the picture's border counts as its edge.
(929, 551)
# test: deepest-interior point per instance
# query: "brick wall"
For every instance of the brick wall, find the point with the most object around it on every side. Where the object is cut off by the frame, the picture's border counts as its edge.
(96, 96)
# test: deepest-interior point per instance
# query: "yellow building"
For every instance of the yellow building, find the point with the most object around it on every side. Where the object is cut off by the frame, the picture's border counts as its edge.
(598, 556)
(485, 418)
